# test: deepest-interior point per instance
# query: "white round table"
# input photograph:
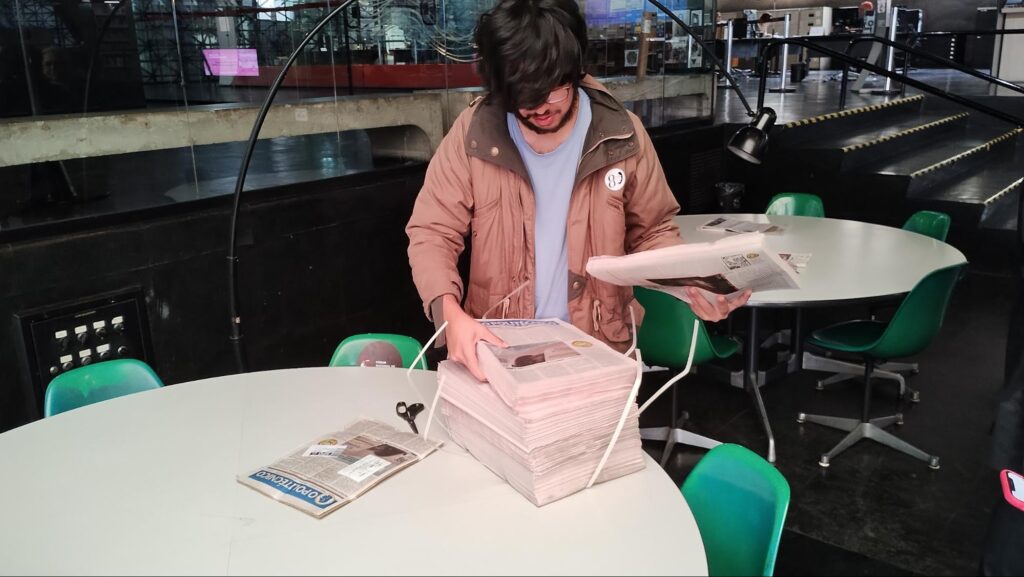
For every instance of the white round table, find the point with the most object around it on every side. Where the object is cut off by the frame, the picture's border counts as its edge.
(146, 484)
(851, 262)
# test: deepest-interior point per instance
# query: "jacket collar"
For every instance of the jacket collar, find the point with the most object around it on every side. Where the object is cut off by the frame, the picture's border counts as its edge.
(607, 140)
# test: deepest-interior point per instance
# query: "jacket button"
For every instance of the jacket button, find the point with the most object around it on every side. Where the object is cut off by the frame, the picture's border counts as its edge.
(576, 284)
(472, 144)
(494, 151)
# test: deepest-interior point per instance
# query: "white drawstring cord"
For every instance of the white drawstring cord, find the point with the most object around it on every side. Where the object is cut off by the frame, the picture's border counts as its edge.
(632, 321)
(504, 302)
(686, 370)
(622, 419)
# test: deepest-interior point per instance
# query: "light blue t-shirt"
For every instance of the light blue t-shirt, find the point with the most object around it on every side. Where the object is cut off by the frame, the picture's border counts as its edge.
(552, 177)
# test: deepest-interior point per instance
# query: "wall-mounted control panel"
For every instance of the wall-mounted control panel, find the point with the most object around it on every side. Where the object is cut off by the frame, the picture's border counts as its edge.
(65, 336)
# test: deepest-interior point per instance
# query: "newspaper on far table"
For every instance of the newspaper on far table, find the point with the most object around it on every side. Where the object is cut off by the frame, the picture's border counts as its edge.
(723, 267)
(333, 469)
(723, 224)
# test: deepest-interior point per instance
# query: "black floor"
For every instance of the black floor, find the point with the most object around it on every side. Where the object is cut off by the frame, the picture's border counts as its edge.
(874, 511)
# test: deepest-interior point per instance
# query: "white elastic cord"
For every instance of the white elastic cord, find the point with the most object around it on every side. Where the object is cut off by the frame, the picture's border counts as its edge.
(622, 419)
(632, 321)
(408, 378)
(433, 407)
(423, 351)
(504, 302)
(686, 370)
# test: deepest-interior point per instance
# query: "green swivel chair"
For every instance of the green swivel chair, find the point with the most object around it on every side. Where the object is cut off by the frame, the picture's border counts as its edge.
(98, 382)
(377, 350)
(664, 340)
(911, 330)
(739, 501)
(931, 224)
(796, 204)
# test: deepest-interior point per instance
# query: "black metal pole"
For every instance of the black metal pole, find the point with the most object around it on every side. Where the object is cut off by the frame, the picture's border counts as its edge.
(235, 317)
(710, 53)
(348, 52)
(881, 71)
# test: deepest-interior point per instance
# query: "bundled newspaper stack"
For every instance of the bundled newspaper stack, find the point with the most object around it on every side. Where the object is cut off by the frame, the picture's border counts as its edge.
(548, 413)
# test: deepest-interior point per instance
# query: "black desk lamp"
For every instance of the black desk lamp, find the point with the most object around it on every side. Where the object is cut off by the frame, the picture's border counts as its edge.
(236, 317)
(749, 142)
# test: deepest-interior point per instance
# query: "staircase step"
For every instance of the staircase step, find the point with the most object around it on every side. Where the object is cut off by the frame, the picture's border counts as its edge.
(975, 198)
(944, 170)
(851, 151)
(822, 126)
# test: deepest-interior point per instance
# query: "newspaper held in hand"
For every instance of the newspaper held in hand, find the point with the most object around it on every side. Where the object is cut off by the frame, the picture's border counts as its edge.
(722, 267)
(723, 224)
(332, 470)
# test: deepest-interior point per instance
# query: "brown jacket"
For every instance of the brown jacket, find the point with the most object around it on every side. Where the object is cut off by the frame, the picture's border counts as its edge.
(477, 184)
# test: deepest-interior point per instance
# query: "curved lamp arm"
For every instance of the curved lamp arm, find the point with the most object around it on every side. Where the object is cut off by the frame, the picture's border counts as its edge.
(233, 310)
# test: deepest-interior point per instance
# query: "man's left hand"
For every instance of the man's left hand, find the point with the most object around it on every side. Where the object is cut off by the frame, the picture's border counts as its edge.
(713, 308)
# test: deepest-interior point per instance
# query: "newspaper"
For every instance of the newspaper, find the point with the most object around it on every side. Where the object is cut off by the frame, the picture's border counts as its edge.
(722, 267)
(545, 355)
(723, 224)
(331, 470)
(796, 260)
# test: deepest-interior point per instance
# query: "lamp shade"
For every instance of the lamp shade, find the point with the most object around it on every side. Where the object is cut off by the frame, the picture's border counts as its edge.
(750, 142)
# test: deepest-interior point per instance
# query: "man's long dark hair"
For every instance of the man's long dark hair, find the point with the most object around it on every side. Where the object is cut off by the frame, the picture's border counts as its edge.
(528, 47)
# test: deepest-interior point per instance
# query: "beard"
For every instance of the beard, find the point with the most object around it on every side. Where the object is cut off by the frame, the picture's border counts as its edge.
(525, 120)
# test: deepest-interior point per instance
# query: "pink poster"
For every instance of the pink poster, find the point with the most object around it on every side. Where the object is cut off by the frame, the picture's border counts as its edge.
(230, 62)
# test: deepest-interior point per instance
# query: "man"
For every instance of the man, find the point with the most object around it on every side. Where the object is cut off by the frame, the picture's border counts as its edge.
(544, 172)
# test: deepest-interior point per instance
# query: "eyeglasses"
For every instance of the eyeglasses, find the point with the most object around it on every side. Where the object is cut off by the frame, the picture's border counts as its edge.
(559, 94)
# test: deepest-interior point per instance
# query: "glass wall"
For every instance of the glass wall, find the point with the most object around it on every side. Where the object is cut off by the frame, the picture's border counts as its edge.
(148, 102)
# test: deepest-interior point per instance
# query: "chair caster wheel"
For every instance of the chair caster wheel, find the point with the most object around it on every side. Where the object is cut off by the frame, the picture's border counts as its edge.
(915, 396)
(823, 461)
(820, 386)
(933, 463)
(899, 419)
(801, 417)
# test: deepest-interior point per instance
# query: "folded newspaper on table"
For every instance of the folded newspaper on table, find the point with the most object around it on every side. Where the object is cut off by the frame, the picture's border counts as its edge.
(722, 267)
(333, 469)
(724, 224)
(546, 416)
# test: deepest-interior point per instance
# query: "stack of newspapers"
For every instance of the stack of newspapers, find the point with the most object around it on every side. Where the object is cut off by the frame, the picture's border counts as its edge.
(547, 414)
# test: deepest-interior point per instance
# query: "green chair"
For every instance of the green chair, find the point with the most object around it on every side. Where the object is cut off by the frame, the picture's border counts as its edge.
(98, 382)
(377, 350)
(796, 204)
(911, 330)
(929, 223)
(664, 340)
(739, 501)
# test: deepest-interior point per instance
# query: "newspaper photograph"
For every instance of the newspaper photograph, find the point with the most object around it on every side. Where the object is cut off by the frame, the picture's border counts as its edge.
(325, 474)
(721, 267)
(723, 224)
(519, 356)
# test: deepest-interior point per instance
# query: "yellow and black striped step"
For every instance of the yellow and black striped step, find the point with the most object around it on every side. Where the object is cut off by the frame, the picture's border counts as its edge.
(855, 111)
(942, 122)
(1002, 193)
(985, 147)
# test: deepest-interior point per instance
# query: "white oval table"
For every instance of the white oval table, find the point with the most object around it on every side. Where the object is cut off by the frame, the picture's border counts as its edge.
(852, 262)
(145, 484)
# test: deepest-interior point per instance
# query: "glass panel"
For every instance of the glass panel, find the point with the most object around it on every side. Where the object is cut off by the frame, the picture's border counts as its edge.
(71, 62)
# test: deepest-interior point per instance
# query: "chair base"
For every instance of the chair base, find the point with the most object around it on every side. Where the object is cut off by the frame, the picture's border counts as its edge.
(846, 370)
(674, 436)
(872, 430)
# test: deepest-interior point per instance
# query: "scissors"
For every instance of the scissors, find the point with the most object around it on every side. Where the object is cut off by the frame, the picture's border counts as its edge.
(408, 413)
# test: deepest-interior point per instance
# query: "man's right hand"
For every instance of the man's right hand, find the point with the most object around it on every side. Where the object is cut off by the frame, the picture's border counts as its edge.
(462, 334)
